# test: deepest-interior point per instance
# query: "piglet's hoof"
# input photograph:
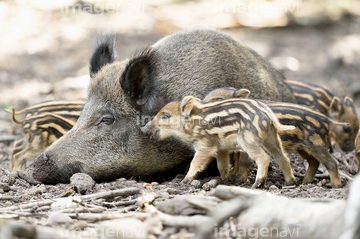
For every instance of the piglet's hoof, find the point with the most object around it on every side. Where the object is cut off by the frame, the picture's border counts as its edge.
(259, 183)
(186, 180)
(291, 182)
(240, 180)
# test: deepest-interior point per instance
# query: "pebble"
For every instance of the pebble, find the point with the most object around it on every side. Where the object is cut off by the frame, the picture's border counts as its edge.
(196, 183)
(273, 188)
(123, 228)
(82, 183)
(63, 204)
(211, 184)
(79, 225)
(56, 218)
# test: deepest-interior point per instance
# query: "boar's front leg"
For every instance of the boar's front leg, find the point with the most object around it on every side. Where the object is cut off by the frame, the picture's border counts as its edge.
(201, 159)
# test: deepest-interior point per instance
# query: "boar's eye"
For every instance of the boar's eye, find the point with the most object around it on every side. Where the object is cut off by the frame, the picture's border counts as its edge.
(108, 120)
(165, 115)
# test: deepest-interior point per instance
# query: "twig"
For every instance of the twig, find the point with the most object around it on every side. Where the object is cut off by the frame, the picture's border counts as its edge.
(119, 204)
(345, 175)
(110, 194)
(82, 210)
(13, 198)
(230, 192)
(8, 138)
(11, 230)
(27, 205)
(177, 221)
(289, 187)
(220, 214)
(94, 217)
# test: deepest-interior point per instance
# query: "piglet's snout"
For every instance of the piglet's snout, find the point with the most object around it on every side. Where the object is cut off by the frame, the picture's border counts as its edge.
(149, 130)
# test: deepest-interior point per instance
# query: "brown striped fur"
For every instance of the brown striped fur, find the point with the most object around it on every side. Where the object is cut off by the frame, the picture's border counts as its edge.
(42, 124)
(324, 101)
(311, 139)
(217, 128)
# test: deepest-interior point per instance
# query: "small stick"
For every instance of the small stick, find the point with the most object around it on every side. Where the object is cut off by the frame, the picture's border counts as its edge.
(111, 194)
(177, 221)
(95, 217)
(230, 192)
(7, 138)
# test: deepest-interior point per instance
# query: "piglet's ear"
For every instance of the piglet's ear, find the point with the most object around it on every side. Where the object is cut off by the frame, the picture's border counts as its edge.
(103, 54)
(336, 106)
(136, 78)
(242, 93)
(348, 101)
(187, 105)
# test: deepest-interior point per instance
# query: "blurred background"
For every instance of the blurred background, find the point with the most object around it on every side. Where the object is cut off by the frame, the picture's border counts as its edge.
(45, 45)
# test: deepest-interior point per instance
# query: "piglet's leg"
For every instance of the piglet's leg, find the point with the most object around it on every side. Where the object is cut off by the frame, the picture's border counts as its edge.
(201, 159)
(223, 164)
(241, 168)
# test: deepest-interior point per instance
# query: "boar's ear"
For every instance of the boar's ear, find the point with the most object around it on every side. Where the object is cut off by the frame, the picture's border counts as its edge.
(103, 54)
(186, 105)
(336, 107)
(242, 93)
(136, 78)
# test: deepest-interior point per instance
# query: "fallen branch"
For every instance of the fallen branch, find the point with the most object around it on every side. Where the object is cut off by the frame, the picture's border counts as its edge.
(11, 230)
(292, 217)
(219, 215)
(106, 195)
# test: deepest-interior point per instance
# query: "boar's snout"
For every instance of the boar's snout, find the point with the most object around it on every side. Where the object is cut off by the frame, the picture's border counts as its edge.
(45, 170)
(150, 131)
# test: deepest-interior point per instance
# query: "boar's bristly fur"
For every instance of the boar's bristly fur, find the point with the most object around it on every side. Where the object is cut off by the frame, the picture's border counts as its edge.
(123, 95)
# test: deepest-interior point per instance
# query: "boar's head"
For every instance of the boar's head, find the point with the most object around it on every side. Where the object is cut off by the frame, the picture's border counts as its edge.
(106, 141)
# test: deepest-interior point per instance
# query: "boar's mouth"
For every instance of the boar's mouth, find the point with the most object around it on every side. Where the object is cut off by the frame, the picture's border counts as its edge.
(45, 170)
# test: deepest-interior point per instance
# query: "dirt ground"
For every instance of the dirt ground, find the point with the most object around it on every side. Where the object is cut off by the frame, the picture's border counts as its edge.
(45, 57)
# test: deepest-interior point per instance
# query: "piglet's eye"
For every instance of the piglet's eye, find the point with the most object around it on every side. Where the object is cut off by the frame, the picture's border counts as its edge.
(165, 116)
(217, 99)
(346, 129)
(107, 120)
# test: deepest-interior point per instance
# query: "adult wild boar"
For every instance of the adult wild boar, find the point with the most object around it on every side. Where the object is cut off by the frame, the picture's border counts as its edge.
(106, 142)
